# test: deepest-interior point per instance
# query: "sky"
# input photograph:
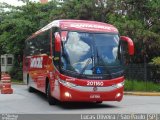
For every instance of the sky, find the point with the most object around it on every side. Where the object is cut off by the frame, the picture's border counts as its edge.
(15, 2)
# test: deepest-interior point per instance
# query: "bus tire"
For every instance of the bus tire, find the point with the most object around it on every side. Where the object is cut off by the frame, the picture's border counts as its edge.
(51, 100)
(30, 89)
(99, 102)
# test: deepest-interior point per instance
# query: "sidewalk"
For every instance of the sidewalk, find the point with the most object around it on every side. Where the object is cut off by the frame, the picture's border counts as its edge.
(142, 93)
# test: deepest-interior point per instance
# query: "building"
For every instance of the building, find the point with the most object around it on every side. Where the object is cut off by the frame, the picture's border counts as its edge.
(6, 62)
(43, 1)
(60, 2)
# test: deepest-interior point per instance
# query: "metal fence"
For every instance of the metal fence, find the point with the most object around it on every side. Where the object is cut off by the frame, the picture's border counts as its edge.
(145, 74)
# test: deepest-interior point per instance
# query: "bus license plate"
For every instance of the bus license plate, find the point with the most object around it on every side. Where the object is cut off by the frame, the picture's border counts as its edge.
(95, 96)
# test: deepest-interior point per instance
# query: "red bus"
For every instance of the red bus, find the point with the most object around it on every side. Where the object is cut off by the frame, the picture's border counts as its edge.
(76, 60)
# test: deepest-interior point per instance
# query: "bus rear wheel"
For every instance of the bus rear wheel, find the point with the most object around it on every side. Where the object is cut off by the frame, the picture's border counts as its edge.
(51, 100)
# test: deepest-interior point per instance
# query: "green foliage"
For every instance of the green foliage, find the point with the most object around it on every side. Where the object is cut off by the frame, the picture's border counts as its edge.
(15, 81)
(137, 85)
(18, 24)
(16, 73)
(147, 41)
(138, 19)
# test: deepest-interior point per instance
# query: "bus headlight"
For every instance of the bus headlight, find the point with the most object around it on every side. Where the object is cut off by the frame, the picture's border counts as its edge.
(67, 94)
(68, 84)
(118, 85)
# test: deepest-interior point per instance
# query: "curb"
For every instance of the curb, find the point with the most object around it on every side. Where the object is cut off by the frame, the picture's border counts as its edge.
(16, 83)
(142, 93)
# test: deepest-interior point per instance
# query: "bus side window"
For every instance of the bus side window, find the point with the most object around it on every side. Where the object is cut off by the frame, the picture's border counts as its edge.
(34, 47)
(26, 49)
(30, 47)
(43, 41)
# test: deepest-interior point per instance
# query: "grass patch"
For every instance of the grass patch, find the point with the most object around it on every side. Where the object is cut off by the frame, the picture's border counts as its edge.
(137, 85)
(17, 81)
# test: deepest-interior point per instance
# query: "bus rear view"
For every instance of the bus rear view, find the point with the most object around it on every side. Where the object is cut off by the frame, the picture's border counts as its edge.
(87, 62)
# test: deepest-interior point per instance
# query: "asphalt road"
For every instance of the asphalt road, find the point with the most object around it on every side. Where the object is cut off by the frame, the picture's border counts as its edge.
(35, 103)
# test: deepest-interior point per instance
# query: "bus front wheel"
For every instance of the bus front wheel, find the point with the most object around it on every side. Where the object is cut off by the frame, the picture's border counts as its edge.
(51, 100)
(30, 89)
(99, 102)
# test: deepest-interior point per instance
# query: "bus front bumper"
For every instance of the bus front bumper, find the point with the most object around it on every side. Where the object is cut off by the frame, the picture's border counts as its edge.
(90, 94)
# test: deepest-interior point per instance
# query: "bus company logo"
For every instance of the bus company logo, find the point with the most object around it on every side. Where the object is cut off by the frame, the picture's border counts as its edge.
(70, 79)
(95, 88)
(92, 26)
(36, 62)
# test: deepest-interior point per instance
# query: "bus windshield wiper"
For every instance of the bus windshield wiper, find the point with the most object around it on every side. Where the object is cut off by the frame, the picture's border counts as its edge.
(86, 65)
(91, 58)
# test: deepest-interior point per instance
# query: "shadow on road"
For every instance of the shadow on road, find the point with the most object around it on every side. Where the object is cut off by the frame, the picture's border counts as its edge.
(84, 105)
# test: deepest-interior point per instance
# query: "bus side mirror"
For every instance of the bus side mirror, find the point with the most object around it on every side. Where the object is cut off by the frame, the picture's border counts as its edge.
(130, 44)
(57, 42)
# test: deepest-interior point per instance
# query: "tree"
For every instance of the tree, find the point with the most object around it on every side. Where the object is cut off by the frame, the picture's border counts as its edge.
(19, 23)
(138, 19)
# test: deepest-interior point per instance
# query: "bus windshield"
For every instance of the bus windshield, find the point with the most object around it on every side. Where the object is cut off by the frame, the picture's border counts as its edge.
(91, 54)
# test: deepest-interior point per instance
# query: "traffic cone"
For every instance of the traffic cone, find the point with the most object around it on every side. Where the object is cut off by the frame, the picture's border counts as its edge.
(6, 78)
(7, 91)
(0, 85)
(6, 84)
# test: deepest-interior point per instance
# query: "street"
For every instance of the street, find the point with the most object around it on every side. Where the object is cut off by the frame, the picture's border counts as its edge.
(23, 102)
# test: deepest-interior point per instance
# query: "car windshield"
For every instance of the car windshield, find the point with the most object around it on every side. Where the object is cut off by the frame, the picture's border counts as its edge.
(91, 53)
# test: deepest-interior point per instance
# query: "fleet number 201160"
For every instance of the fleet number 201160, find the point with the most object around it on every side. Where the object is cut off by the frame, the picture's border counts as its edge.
(94, 83)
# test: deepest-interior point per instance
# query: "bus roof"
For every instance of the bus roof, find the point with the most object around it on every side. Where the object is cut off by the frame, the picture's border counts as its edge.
(79, 25)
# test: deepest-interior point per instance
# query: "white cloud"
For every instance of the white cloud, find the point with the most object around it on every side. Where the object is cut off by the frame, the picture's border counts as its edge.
(13, 2)
(16, 2)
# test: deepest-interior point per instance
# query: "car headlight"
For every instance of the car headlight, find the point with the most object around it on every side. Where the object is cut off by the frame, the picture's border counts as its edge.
(118, 85)
(68, 84)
